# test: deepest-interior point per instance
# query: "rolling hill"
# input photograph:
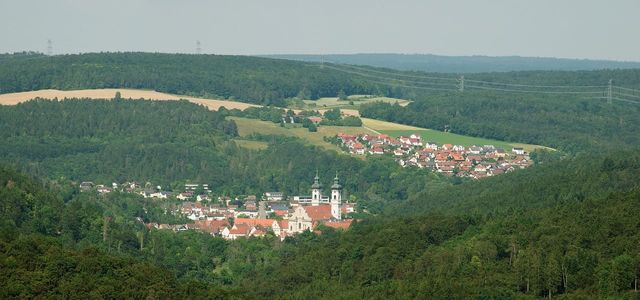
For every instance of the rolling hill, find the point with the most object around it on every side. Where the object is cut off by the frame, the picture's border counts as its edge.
(462, 64)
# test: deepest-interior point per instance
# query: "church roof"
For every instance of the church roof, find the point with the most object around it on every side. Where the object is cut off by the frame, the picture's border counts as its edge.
(344, 224)
(320, 212)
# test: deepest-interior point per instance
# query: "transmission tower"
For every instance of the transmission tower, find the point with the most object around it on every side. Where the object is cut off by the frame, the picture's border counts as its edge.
(610, 91)
(49, 47)
(461, 84)
(198, 47)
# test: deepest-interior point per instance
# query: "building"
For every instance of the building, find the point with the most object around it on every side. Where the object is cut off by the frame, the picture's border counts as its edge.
(273, 196)
(518, 150)
(317, 208)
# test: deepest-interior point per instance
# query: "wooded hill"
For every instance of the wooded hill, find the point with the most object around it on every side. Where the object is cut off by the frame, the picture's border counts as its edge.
(462, 64)
(565, 121)
(170, 142)
(566, 229)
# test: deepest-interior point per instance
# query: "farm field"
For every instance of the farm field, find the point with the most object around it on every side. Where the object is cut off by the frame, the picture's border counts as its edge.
(247, 127)
(333, 102)
(378, 125)
(212, 104)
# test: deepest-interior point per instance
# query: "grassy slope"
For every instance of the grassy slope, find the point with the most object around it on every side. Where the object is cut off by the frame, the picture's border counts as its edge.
(371, 125)
(249, 126)
(394, 129)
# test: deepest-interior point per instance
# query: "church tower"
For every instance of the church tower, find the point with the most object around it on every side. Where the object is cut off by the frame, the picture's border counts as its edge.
(336, 198)
(316, 194)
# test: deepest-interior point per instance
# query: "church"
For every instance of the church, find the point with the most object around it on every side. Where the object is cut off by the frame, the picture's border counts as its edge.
(315, 209)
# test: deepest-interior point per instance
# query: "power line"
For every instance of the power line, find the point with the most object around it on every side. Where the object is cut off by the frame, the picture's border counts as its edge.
(460, 85)
(413, 87)
(610, 91)
(529, 91)
(385, 78)
(398, 74)
(627, 95)
(49, 47)
(626, 89)
(537, 86)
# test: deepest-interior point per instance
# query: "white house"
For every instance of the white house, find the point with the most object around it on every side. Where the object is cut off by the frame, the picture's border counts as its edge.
(518, 150)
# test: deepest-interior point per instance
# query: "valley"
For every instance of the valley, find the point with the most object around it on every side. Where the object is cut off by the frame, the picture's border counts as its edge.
(271, 198)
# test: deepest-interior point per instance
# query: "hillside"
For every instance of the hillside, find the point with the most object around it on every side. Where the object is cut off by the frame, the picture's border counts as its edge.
(121, 140)
(462, 64)
(251, 79)
(573, 235)
(511, 106)
(565, 229)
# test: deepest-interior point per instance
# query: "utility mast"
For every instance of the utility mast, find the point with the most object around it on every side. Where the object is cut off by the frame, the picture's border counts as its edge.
(610, 91)
(461, 84)
(198, 47)
(49, 47)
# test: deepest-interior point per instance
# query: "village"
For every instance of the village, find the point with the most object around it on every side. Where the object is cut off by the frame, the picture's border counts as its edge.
(271, 214)
(448, 159)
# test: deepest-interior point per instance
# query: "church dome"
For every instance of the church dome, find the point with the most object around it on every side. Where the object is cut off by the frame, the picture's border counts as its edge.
(316, 183)
(336, 184)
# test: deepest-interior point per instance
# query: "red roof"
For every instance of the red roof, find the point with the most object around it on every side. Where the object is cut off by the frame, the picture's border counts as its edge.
(284, 224)
(212, 226)
(315, 119)
(240, 229)
(344, 224)
(254, 222)
(320, 212)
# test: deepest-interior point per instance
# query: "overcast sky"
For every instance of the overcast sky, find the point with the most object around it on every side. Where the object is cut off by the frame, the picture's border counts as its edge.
(547, 28)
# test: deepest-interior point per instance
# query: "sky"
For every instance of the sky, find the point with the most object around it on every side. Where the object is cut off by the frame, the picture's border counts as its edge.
(540, 28)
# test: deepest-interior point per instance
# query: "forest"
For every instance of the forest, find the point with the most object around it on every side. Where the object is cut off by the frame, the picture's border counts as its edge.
(461, 64)
(563, 229)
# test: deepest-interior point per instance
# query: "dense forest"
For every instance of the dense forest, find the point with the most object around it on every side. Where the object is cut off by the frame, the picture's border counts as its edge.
(250, 79)
(461, 64)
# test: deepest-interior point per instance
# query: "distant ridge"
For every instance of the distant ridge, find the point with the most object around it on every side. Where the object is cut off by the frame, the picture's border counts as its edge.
(462, 64)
